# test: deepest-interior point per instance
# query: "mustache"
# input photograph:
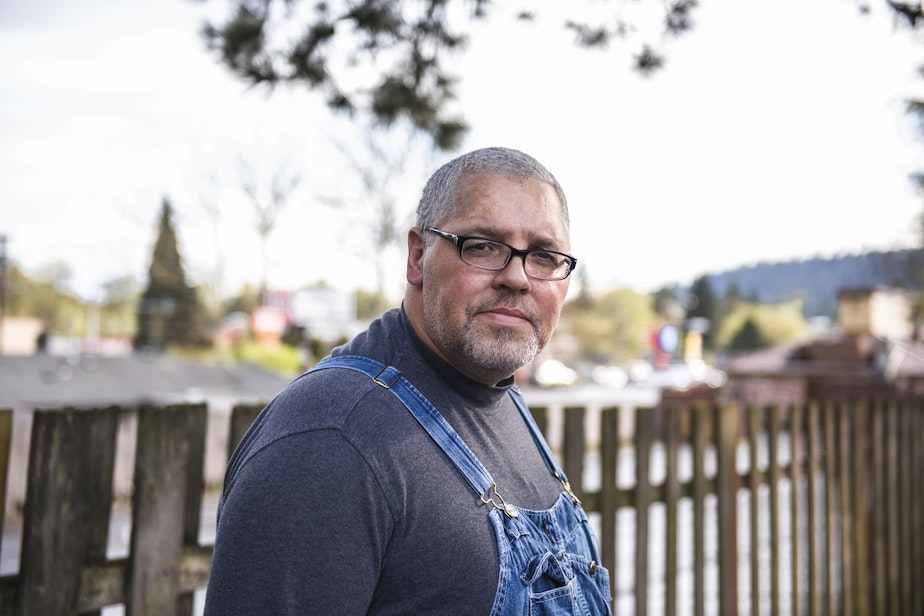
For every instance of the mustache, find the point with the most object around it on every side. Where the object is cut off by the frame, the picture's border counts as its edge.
(509, 302)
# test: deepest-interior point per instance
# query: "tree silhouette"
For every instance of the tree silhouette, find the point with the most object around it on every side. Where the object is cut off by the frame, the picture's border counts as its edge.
(267, 204)
(169, 312)
(321, 44)
(702, 310)
(748, 338)
(325, 45)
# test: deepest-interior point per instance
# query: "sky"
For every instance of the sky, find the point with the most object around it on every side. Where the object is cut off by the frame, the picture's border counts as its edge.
(773, 134)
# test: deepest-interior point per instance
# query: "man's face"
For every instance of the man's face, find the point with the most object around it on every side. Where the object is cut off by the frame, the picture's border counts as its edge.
(487, 323)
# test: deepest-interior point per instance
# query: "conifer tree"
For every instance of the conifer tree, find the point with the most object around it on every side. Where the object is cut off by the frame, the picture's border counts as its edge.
(169, 312)
(748, 338)
(702, 309)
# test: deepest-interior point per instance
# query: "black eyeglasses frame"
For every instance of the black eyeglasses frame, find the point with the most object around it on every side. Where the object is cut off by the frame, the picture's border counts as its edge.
(459, 241)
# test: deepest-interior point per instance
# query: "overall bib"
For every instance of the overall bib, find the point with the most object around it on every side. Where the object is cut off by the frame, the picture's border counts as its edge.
(549, 562)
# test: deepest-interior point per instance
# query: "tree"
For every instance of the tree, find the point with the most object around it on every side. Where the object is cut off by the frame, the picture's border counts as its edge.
(406, 44)
(777, 324)
(267, 204)
(614, 328)
(702, 311)
(169, 312)
(666, 304)
(44, 296)
(748, 338)
(117, 311)
(381, 209)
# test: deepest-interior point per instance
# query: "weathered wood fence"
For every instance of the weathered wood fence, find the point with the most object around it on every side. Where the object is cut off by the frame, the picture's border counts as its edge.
(813, 509)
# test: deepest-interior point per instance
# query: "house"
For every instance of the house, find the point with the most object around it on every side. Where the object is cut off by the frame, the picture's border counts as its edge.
(871, 348)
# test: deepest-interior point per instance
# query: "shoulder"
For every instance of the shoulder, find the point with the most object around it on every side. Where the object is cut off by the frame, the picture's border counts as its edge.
(331, 415)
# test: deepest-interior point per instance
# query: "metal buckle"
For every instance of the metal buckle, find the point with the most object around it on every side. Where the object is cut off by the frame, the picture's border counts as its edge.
(509, 510)
(382, 383)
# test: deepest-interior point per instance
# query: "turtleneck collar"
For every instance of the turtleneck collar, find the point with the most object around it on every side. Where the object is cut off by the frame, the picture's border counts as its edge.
(455, 379)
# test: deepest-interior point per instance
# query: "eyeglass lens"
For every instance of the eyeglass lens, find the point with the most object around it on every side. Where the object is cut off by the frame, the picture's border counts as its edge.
(491, 255)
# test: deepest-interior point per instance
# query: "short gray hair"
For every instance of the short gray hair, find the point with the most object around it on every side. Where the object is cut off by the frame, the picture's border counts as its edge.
(439, 199)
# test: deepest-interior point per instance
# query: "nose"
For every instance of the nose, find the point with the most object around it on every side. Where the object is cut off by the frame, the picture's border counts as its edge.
(514, 274)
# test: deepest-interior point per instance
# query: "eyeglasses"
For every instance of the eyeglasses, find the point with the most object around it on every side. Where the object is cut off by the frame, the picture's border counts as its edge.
(493, 255)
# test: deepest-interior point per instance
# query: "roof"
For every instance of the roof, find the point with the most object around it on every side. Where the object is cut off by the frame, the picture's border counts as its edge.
(48, 381)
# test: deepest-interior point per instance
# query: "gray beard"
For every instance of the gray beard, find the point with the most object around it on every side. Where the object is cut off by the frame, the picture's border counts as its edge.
(477, 353)
(502, 354)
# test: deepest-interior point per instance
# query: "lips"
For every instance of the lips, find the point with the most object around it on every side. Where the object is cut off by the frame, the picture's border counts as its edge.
(505, 315)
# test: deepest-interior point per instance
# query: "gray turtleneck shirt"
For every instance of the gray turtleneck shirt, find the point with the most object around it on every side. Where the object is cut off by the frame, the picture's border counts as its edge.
(338, 502)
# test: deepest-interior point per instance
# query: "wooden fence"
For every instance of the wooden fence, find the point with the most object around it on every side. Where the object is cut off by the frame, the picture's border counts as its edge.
(701, 508)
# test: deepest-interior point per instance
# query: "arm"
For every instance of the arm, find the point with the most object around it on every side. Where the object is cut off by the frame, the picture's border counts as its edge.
(302, 530)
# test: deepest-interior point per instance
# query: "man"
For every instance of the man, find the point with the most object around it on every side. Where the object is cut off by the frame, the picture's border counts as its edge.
(409, 478)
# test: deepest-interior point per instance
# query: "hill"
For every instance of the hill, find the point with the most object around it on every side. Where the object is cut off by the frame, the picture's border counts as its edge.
(818, 281)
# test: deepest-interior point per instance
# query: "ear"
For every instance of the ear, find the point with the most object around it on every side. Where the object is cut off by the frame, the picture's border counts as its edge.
(415, 252)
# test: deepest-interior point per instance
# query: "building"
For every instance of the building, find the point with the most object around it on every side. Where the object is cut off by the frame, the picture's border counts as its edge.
(871, 348)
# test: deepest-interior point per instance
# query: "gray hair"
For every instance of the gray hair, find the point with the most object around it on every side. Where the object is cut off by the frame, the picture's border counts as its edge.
(439, 199)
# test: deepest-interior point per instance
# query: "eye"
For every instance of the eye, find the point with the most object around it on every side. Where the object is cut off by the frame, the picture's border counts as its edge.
(481, 248)
(546, 259)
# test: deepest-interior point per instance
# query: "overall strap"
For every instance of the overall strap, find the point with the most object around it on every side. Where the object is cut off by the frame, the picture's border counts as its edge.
(426, 414)
(541, 443)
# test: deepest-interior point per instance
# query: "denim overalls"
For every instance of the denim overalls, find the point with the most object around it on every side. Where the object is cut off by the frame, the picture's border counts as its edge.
(549, 562)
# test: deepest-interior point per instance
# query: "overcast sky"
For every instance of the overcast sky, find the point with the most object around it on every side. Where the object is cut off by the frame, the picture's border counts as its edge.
(776, 132)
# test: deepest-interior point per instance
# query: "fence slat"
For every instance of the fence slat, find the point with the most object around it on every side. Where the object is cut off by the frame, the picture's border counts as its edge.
(795, 512)
(814, 542)
(845, 481)
(773, 478)
(862, 478)
(917, 492)
(831, 485)
(242, 417)
(196, 419)
(575, 444)
(892, 507)
(159, 511)
(880, 523)
(727, 488)
(672, 498)
(609, 450)
(66, 513)
(644, 496)
(755, 480)
(701, 431)
(906, 511)
(6, 442)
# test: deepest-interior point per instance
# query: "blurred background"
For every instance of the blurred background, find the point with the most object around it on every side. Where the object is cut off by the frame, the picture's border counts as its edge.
(226, 179)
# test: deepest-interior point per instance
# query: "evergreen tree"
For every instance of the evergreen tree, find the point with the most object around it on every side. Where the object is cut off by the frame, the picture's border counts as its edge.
(748, 338)
(665, 303)
(702, 311)
(169, 312)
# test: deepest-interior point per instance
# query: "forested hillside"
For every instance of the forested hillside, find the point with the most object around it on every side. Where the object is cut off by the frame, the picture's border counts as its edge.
(817, 281)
